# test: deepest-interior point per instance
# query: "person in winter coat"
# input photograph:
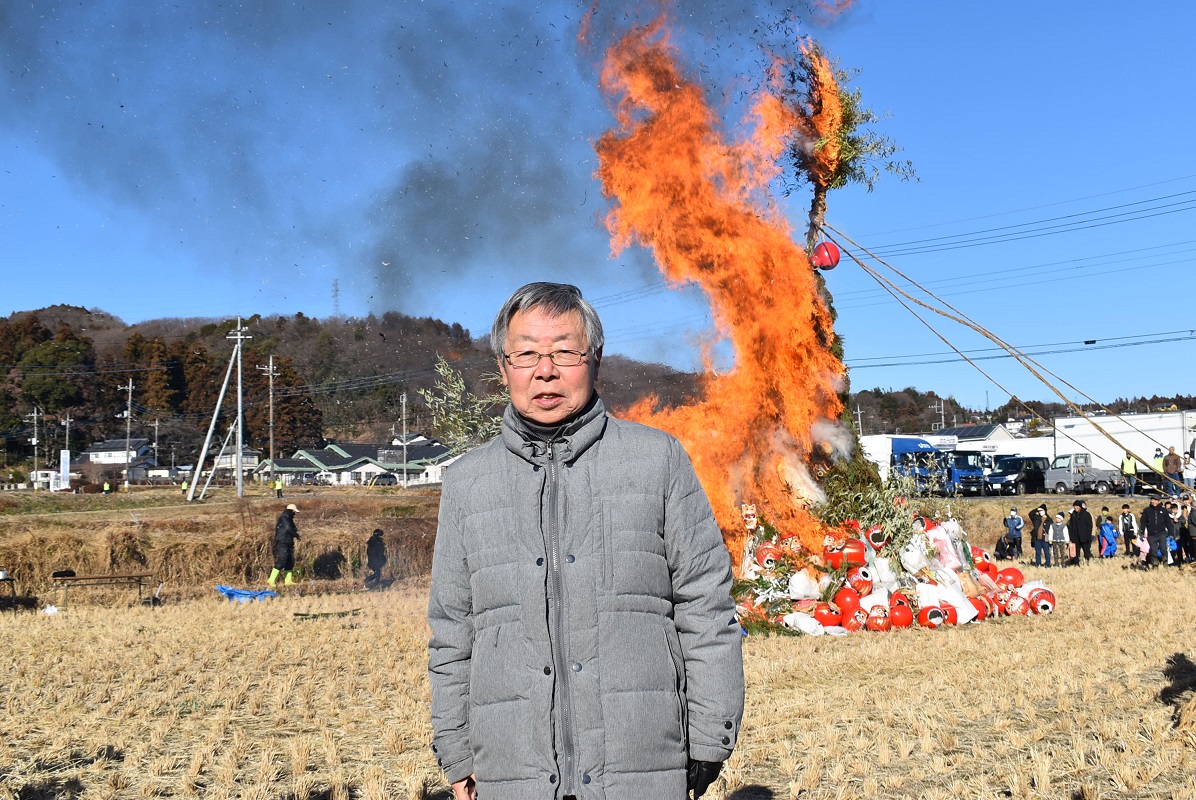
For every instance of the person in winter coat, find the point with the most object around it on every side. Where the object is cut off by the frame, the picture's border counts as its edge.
(1013, 530)
(285, 534)
(584, 640)
(1108, 538)
(1039, 523)
(1173, 466)
(1128, 524)
(1179, 528)
(375, 558)
(1155, 525)
(1187, 535)
(1060, 539)
(1079, 528)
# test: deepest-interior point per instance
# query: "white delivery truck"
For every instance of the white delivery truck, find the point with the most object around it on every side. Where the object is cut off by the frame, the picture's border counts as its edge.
(1138, 433)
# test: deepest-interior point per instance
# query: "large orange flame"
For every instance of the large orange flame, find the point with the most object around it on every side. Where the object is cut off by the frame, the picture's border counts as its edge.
(699, 202)
(819, 119)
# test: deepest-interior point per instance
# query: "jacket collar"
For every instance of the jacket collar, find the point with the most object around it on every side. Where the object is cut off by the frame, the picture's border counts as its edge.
(530, 442)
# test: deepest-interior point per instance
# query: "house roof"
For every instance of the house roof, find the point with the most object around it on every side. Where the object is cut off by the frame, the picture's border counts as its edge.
(116, 445)
(345, 457)
(969, 431)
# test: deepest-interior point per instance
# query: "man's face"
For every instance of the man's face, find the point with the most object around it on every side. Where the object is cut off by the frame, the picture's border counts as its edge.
(546, 393)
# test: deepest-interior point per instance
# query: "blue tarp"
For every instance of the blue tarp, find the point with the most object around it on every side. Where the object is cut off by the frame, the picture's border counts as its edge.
(244, 595)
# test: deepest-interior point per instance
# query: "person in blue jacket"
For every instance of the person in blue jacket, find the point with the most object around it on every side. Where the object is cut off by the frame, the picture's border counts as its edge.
(1108, 538)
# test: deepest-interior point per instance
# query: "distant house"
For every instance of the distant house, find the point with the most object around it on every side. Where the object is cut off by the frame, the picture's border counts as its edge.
(348, 463)
(250, 458)
(113, 452)
(984, 438)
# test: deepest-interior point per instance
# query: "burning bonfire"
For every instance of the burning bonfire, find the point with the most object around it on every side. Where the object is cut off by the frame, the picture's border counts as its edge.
(765, 429)
(763, 433)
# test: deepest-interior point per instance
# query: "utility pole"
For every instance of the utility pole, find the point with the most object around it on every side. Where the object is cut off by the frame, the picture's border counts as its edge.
(34, 441)
(203, 453)
(128, 432)
(403, 405)
(859, 420)
(156, 424)
(336, 298)
(66, 445)
(269, 370)
(239, 336)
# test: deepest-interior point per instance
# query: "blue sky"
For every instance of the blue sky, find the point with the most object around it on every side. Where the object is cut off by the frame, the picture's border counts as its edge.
(208, 160)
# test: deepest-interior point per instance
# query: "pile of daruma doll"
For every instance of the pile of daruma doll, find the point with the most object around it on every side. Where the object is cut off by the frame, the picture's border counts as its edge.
(864, 580)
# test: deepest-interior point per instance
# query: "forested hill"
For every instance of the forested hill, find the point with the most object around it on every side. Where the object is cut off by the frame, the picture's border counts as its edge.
(339, 378)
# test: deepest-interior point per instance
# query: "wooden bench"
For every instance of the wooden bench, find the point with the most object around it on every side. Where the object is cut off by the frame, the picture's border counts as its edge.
(64, 582)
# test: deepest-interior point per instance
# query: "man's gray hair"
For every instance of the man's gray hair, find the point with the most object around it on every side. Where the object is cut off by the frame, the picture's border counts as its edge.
(555, 298)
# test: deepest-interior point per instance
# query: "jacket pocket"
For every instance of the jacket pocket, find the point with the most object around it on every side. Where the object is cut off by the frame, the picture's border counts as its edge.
(674, 647)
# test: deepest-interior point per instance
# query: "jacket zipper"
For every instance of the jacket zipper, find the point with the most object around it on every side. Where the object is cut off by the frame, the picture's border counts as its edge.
(558, 625)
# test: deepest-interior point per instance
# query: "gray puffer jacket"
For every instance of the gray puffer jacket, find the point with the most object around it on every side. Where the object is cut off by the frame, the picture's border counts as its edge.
(584, 640)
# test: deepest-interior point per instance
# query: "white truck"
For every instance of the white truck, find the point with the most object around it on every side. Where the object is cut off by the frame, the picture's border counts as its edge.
(1140, 434)
(1075, 473)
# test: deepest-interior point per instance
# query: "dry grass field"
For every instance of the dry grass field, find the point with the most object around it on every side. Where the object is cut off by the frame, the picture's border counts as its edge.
(201, 697)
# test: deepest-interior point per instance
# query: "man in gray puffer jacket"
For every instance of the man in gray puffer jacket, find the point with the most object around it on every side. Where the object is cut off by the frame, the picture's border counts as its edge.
(584, 641)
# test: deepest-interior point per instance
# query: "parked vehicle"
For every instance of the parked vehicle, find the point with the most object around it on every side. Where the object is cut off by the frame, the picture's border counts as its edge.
(907, 456)
(1138, 433)
(964, 472)
(1018, 475)
(1075, 473)
(385, 479)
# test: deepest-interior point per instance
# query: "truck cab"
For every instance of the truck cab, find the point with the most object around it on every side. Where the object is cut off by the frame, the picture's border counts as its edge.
(964, 472)
(1074, 473)
(905, 456)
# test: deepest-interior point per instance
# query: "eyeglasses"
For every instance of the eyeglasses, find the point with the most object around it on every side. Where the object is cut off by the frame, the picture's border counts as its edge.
(525, 359)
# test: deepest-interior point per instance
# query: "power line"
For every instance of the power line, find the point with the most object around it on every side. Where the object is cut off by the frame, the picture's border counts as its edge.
(1029, 351)
(1035, 208)
(886, 249)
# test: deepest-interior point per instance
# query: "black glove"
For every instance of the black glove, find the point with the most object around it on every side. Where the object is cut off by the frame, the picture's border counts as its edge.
(700, 774)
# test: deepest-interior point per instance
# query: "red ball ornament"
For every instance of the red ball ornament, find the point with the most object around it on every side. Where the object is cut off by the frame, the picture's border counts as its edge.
(981, 607)
(826, 614)
(855, 553)
(980, 555)
(767, 555)
(856, 620)
(878, 619)
(950, 613)
(1001, 599)
(826, 256)
(876, 536)
(931, 617)
(848, 600)
(902, 616)
(1010, 578)
(860, 579)
(832, 553)
(1042, 601)
(1017, 606)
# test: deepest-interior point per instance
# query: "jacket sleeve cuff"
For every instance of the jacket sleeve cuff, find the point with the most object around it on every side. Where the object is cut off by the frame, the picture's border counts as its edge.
(712, 739)
(459, 771)
(454, 757)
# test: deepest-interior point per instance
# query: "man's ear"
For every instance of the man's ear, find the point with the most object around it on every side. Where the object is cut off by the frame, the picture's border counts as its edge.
(502, 370)
(597, 363)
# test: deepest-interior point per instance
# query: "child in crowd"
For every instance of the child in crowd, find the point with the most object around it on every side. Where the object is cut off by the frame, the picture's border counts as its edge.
(1108, 538)
(1058, 537)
